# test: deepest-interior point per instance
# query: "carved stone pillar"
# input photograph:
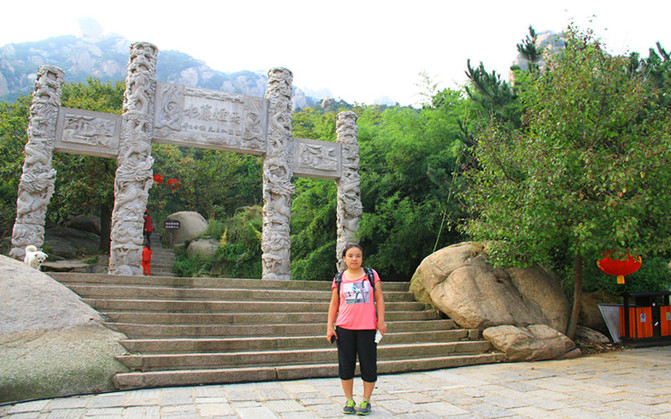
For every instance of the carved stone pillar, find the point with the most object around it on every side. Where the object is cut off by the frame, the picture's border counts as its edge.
(349, 209)
(134, 174)
(277, 172)
(37, 181)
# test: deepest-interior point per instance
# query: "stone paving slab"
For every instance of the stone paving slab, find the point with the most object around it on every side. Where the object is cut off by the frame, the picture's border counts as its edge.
(633, 383)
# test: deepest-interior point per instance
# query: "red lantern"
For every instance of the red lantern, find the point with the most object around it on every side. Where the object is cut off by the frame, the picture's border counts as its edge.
(158, 179)
(619, 267)
(173, 184)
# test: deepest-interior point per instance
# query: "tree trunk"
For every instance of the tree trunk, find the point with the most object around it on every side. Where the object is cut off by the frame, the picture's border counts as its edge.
(577, 297)
(105, 227)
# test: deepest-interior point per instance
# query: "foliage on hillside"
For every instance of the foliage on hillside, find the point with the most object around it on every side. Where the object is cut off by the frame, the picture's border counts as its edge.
(586, 172)
(13, 123)
(239, 252)
(523, 146)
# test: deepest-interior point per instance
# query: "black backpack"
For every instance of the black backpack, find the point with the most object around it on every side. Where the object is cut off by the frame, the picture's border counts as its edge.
(369, 275)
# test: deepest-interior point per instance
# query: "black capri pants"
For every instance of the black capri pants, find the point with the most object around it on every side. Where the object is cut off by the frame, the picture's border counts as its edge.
(352, 343)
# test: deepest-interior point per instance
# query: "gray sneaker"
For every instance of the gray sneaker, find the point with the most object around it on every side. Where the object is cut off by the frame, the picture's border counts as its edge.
(364, 408)
(350, 407)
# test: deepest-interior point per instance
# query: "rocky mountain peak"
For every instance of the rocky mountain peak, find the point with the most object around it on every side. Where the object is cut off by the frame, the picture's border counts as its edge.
(105, 57)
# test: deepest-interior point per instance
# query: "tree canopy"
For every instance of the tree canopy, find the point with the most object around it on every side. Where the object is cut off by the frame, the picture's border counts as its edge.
(586, 172)
(563, 162)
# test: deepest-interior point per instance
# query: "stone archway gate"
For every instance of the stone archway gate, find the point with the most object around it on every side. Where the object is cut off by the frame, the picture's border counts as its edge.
(173, 114)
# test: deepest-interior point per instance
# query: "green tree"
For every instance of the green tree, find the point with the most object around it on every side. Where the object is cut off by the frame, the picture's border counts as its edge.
(408, 158)
(13, 123)
(494, 98)
(587, 172)
(530, 51)
(239, 251)
(213, 183)
(313, 229)
(313, 209)
(314, 124)
(407, 161)
(657, 68)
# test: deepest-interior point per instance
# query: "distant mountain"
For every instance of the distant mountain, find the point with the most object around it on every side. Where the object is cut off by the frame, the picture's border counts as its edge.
(106, 58)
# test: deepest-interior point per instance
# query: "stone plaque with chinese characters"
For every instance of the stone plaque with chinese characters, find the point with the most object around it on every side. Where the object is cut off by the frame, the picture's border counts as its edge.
(316, 159)
(87, 132)
(210, 119)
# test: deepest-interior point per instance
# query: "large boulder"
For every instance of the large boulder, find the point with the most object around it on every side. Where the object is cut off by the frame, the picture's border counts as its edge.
(191, 225)
(590, 337)
(51, 343)
(590, 314)
(205, 248)
(90, 223)
(532, 343)
(67, 243)
(459, 281)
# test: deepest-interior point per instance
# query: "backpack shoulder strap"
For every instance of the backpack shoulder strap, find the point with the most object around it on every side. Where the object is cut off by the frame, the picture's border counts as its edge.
(371, 277)
(338, 281)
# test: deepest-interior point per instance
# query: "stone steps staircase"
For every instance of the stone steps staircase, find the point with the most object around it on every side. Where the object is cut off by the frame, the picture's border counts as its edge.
(187, 331)
(162, 258)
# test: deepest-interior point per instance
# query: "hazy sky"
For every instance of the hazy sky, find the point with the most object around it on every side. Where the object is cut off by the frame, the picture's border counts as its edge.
(361, 50)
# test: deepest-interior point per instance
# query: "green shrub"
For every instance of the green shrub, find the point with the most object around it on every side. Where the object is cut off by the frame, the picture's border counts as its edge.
(196, 266)
(318, 266)
(239, 252)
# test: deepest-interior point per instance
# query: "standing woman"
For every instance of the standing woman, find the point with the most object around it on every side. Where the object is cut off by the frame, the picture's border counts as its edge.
(360, 312)
(148, 229)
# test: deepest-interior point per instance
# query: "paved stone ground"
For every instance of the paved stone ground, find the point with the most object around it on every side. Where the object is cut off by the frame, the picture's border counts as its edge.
(634, 383)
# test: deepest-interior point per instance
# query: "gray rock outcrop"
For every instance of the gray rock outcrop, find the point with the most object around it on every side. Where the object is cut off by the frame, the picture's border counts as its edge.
(89, 223)
(459, 281)
(533, 343)
(105, 57)
(590, 314)
(550, 42)
(191, 225)
(67, 242)
(51, 343)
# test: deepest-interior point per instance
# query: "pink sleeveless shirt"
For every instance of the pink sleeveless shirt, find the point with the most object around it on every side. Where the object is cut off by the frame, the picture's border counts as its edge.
(357, 303)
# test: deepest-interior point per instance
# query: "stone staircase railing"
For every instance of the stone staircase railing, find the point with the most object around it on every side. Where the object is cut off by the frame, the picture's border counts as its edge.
(186, 331)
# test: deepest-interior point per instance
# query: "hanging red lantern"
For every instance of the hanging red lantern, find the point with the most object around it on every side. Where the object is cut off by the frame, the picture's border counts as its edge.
(158, 179)
(173, 184)
(626, 265)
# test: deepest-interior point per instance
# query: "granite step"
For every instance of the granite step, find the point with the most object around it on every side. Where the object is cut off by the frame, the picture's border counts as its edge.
(206, 345)
(290, 372)
(186, 331)
(191, 306)
(197, 282)
(143, 317)
(171, 293)
(157, 362)
(290, 329)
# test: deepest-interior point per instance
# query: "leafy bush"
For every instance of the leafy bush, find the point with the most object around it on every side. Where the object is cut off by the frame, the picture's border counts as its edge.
(313, 230)
(318, 266)
(196, 266)
(239, 252)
